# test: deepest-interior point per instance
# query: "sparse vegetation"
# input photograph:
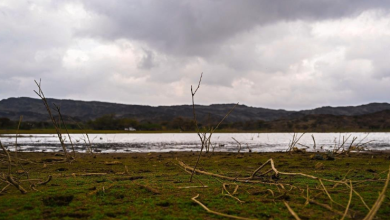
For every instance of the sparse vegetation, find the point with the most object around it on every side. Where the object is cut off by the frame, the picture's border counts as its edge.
(297, 184)
(71, 194)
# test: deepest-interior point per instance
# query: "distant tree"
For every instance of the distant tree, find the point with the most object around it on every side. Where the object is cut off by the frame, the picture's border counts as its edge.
(5, 122)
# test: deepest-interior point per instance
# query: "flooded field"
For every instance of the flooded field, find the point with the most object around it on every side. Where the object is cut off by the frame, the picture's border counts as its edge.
(221, 142)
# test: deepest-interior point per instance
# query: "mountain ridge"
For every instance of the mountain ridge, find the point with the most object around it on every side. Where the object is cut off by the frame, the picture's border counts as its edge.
(33, 110)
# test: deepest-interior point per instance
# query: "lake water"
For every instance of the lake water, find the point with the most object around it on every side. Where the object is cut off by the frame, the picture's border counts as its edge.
(165, 142)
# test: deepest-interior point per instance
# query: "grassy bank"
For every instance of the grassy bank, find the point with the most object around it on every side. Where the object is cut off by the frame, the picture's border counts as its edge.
(157, 187)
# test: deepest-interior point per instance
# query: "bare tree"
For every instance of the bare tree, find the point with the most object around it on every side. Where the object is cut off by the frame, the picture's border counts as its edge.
(205, 133)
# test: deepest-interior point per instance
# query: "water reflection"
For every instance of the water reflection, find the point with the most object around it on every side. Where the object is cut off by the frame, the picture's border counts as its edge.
(264, 142)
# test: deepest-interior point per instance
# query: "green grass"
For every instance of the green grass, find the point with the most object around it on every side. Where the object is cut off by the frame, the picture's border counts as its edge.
(125, 199)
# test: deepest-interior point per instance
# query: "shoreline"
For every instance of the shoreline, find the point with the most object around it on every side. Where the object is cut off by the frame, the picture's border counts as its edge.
(52, 131)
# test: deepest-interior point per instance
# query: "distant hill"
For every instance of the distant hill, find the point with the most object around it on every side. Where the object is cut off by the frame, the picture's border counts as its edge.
(377, 121)
(33, 110)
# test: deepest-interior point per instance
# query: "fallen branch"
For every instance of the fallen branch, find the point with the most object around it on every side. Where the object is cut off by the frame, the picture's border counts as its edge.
(327, 207)
(91, 174)
(217, 213)
(230, 194)
(45, 182)
(245, 180)
(189, 187)
(148, 188)
(349, 201)
(5, 188)
(17, 185)
(379, 201)
(291, 211)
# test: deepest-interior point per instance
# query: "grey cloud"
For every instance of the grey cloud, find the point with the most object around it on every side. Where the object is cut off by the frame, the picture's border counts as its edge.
(197, 28)
(147, 60)
(259, 53)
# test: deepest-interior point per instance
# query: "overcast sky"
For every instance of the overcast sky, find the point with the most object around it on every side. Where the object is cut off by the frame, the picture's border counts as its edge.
(286, 54)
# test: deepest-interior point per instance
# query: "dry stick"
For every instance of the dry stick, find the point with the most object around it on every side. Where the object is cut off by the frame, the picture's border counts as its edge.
(294, 174)
(362, 140)
(291, 211)
(359, 145)
(349, 201)
(326, 191)
(343, 143)
(239, 144)
(349, 148)
(189, 187)
(17, 185)
(245, 180)
(16, 139)
(8, 156)
(294, 142)
(89, 141)
(45, 182)
(8, 184)
(361, 198)
(345, 176)
(231, 194)
(307, 195)
(91, 174)
(272, 192)
(326, 207)
(55, 123)
(250, 179)
(16, 147)
(9, 177)
(66, 129)
(149, 188)
(379, 201)
(217, 213)
(203, 140)
(314, 140)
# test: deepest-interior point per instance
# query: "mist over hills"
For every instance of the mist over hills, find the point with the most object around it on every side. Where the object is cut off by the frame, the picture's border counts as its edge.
(34, 110)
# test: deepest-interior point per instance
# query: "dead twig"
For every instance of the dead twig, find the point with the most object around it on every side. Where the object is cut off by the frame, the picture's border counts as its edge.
(190, 187)
(149, 188)
(379, 201)
(66, 129)
(16, 139)
(291, 211)
(45, 182)
(239, 144)
(91, 174)
(231, 194)
(53, 120)
(204, 138)
(217, 213)
(349, 201)
(327, 207)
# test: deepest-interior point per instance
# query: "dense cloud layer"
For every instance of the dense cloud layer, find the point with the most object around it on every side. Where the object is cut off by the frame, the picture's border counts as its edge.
(276, 54)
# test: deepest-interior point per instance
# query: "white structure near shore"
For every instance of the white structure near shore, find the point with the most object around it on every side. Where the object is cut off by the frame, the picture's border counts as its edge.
(130, 129)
